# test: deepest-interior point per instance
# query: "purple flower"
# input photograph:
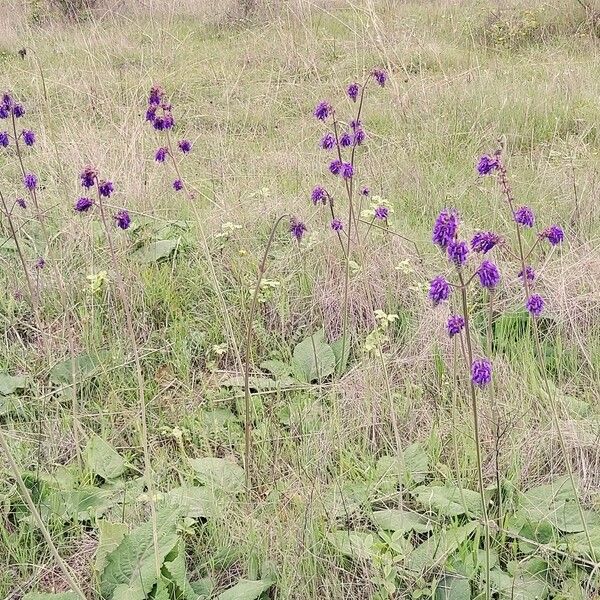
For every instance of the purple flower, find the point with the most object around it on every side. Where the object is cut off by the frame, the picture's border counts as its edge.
(21, 202)
(554, 234)
(319, 195)
(439, 290)
(18, 110)
(161, 154)
(347, 171)
(297, 228)
(322, 110)
(345, 140)
(365, 191)
(178, 185)
(352, 91)
(83, 204)
(337, 225)
(88, 177)
(458, 252)
(529, 272)
(354, 124)
(156, 94)
(169, 121)
(151, 114)
(535, 305)
(30, 181)
(455, 325)
(359, 136)
(40, 263)
(28, 137)
(335, 167)
(185, 146)
(381, 212)
(122, 219)
(484, 241)
(489, 276)
(327, 141)
(481, 372)
(3, 112)
(380, 76)
(4, 139)
(524, 216)
(486, 164)
(159, 123)
(445, 228)
(106, 188)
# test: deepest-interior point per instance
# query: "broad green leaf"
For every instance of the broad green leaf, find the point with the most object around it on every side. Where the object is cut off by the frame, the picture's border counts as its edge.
(194, 501)
(412, 465)
(203, 588)
(155, 251)
(521, 587)
(163, 590)
(102, 459)
(84, 504)
(245, 590)
(219, 474)
(254, 383)
(176, 571)
(448, 501)
(9, 384)
(313, 359)
(401, 521)
(340, 362)
(277, 368)
(110, 536)
(439, 546)
(47, 596)
(131, 567)
(355, 544)
(84, 366)
(452, 587)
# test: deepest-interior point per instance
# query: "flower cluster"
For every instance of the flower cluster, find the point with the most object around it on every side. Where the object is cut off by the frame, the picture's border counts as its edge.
(8, 107)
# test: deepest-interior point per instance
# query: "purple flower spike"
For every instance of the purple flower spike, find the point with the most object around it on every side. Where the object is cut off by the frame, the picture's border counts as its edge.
(554, 234)
(327, 141)
(21, 202)
(380, 76)
(156, 95)
(484, 241)
(455, 325)
(30, 181)
(535, 305)
(486, 165)
(365, 191)
(352, 91)
(524, 216)
(161, 154)
(185, 146)
(4, 139)
(122, 219)
(40, 263)
(106, 188)
(529, 272)
(445, 228)
(178, 185)
(337, 225)
(345, 140)
(481, 372)
(28, 137)
(319, 195)
(347, 171)
(297, 228)
(18, 111)
(88, 177)
(381, 212)
(458, 252)
(322, 110)
(359, 136)
(439, 290)
(151, 114)
(489, 276)
(335, 167)
(83, 204)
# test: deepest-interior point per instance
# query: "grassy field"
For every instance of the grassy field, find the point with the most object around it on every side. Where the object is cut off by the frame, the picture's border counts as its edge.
(363, 478)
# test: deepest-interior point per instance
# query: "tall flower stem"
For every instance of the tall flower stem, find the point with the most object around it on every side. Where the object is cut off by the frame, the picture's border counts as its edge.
(148, 475)
(486, 525)
(262, 267)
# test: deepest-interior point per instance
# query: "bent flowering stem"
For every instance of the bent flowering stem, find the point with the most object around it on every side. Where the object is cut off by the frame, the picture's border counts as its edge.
(262, 267)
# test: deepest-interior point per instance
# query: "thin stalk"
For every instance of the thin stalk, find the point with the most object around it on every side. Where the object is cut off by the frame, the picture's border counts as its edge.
(392, 232)
(62, 565)
(262, 267)
(465, 307)
(148, 476)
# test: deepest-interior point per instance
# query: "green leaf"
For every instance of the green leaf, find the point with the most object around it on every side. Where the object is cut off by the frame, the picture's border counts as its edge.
(452, 587)
(46, 596)
(8, 245)
(84, 504)
(277, 368)
(176, 570)
(412, 465)
(84, 366)
(448, 501)
(219, 474)
(521, 587)
(102, 459)
(255, 383)
(313, 359)
(155, 251)
(340, 362)
(110, 536)
(131, 567)
(439, 546)
(246, 590)
(401, 521)
(355, 544)
(194, 501)
(9, 384)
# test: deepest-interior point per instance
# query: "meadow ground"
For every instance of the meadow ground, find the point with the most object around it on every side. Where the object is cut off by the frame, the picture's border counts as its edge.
(364, 482)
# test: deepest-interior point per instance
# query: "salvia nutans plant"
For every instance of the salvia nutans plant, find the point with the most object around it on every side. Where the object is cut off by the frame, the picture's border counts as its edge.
(470, 264)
